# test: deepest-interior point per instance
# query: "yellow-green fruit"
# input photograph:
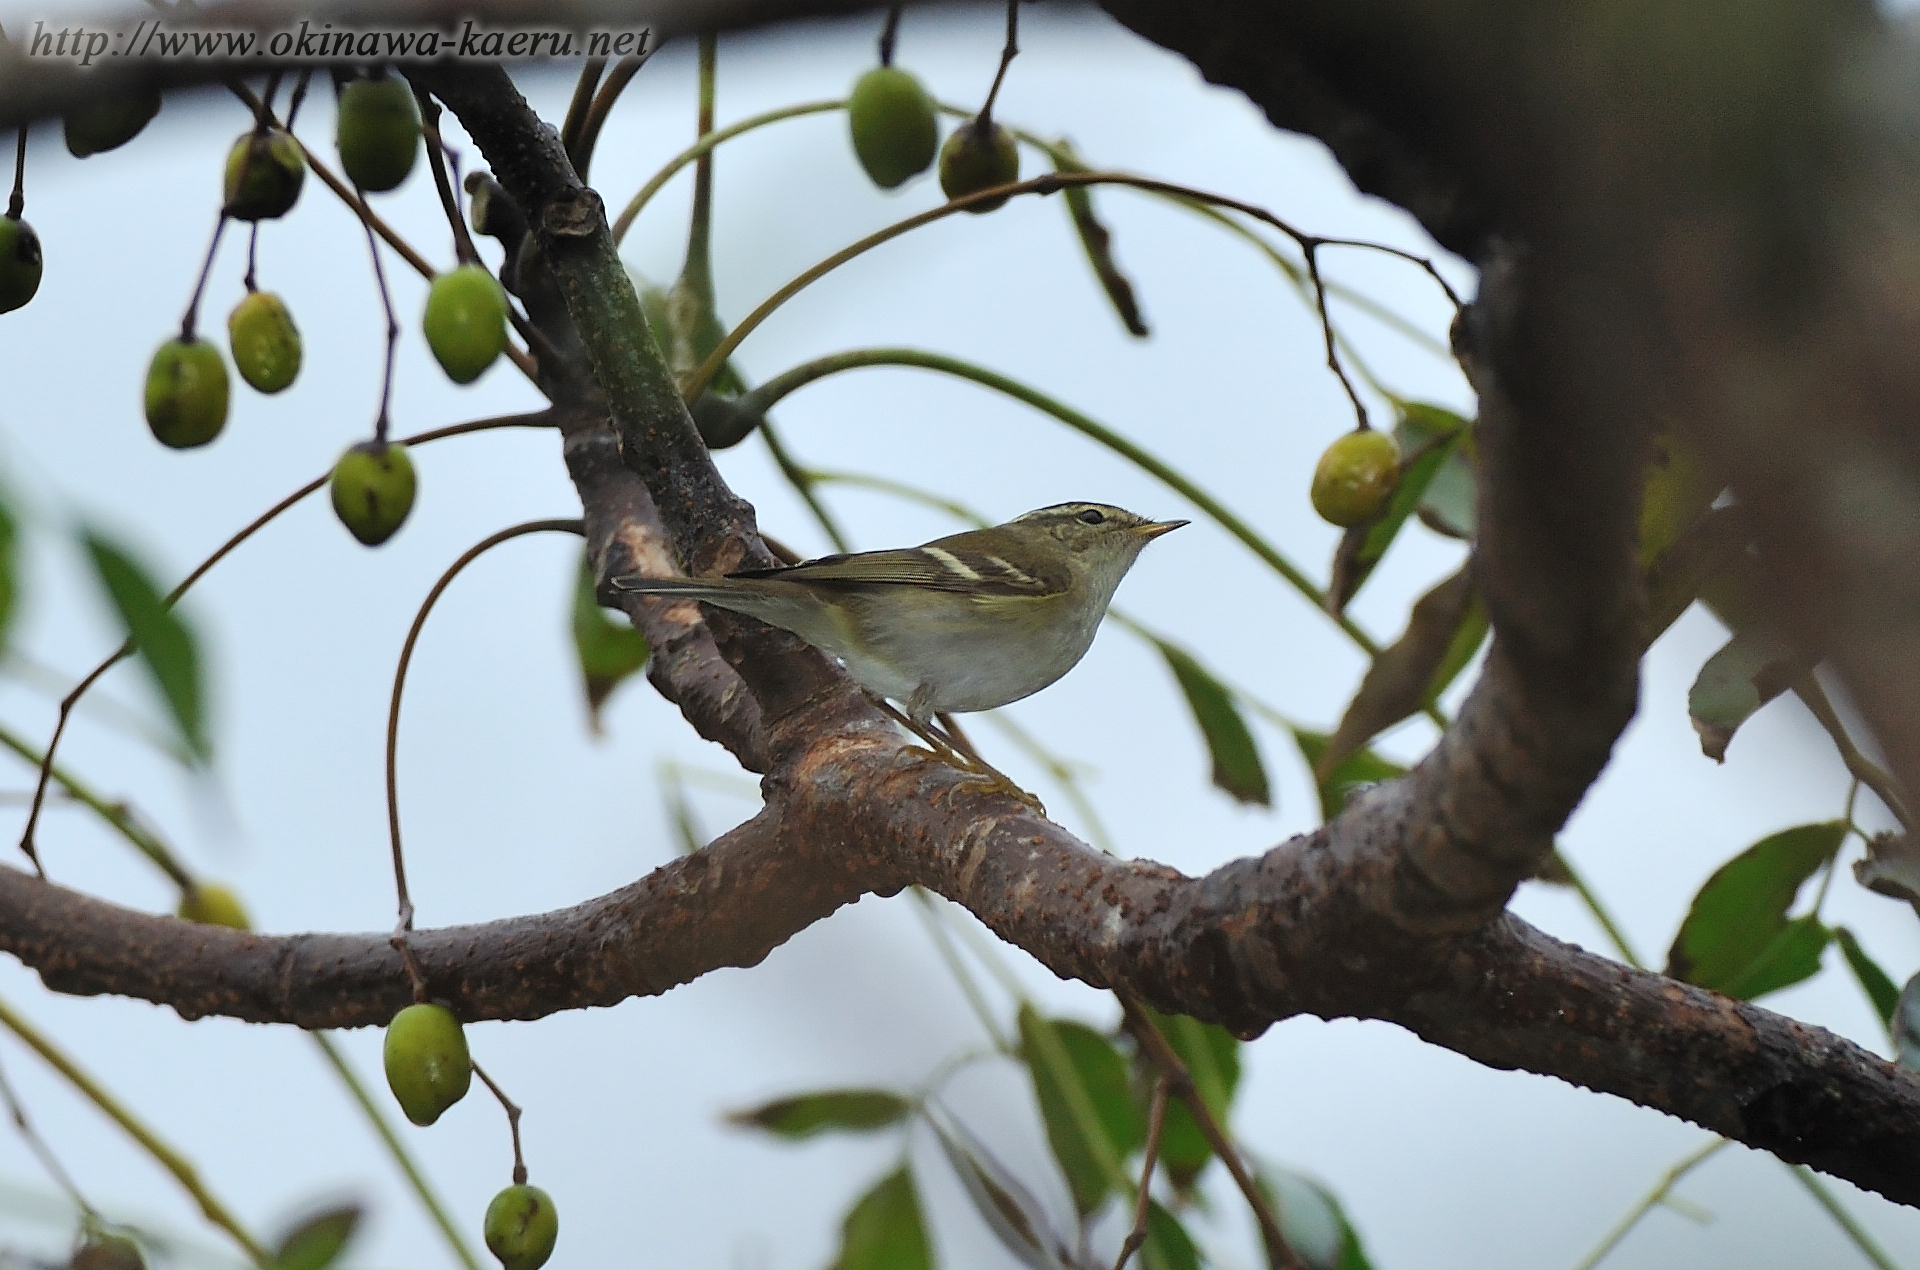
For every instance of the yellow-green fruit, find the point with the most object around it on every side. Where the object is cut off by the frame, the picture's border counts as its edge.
(103, 1251)
(186, 393)
(372, 488)
(521, 1227)
(428, 1067)
(378, 132)
(466, 321)
(266, 345)
(264, 174)
(977, 158)
(1355, 477)
(213, 905)
(19, 263)
(893, 125)
(107, 123)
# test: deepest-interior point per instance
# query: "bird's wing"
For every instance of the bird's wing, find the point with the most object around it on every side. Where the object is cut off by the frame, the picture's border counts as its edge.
(933, 566)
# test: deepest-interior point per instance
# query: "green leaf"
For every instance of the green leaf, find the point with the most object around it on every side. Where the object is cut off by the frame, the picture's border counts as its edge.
(1875, 982)
(1736, 938)
(165, 645)
(1680, 487)
(1906, 1025)
(884, 1230)
(1356, 773)
(1790, 956)
(1212, 1056)
(836, 1110)
(1236, 759)
(1751, 669)
(1016, 1218)
(1168, 1245)
(317, 1242)
(1441, 636)
(1086, 1103)
(1098, 243)
(1362, 547)
(608, 650)
(1450, 504)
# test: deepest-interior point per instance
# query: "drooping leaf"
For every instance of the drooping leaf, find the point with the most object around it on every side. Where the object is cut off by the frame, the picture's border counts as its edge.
(1450, 504)
(1402, 678)
(1875, 982)
(835, 1110)
(1311, 1220)
(1016, 1218)
(1098, 243)
(1212, 1056)
(1751, 669)
(1736, 938)
(1906, 1025)
(1362, 547)
(1168, 1245)
(165, 644)
(884, 1229)
(1891, 868)
(317, 1242)
(608, 650)
(1086, 1103)
(1357, 773)
(1237, 768)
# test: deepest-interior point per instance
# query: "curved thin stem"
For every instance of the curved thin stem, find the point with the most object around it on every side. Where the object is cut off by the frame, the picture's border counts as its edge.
(397, 1149)
(169, 1159)
(44, 1153)
(1156, 1119)
(115, 815)
(1854, 1231)
(581, 150)
(539, 419)
(467, 557)
(631, 211)
(780, 385)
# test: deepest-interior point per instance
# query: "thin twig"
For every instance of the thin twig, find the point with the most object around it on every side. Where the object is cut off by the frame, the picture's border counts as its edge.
(38, 1145)
(603, 102)
(513, 1123)
(1156, 1120)
(802, 481)
(1648, 1202)
(192, 316)
(590, 72)
(537, 419)
(1280, 1255)
(380, 420)
(169, 1159)
(436, 148)
(1863, 769)
(1008, 51)
(466, 558)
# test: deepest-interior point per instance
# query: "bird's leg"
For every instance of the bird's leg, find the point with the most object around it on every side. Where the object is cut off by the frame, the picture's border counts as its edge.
(937, 744)
(993, 775)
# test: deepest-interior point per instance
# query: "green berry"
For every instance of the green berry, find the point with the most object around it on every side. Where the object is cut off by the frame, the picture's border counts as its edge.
(378, 132)
(107, 123)
(977, 158)
(186, 393)
(1355, 477)
(893, 125)
(264, 174)
(521, 1227)
(466, 321)
(428, 1067)
(213, 905)
(265, 343)
(19, 263)
(373, 487)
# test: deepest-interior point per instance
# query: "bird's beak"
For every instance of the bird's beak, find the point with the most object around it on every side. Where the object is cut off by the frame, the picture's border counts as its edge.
(1154, 528)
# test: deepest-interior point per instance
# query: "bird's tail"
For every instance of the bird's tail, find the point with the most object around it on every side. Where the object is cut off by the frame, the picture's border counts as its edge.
(638, 584)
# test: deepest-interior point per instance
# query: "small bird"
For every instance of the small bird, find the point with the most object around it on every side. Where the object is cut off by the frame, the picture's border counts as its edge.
(968, 622)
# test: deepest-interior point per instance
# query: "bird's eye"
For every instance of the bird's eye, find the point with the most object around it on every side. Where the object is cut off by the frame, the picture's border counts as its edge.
(1092, 516)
